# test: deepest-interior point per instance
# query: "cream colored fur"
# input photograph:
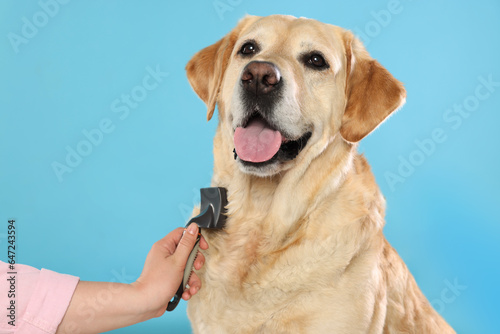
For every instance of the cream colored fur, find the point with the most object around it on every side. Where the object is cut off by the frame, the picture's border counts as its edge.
(303, 249)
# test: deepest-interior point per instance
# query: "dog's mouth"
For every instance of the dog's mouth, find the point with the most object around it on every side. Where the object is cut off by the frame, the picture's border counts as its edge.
(258, 143)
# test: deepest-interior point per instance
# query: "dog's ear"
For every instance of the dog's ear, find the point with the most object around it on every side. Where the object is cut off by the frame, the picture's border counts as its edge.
(205, 71)
(372, 93)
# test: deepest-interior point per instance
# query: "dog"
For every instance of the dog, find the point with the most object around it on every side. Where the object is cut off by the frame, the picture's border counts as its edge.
(303, 249)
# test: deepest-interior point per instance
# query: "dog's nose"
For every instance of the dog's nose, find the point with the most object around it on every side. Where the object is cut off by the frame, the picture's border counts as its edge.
(260, 77)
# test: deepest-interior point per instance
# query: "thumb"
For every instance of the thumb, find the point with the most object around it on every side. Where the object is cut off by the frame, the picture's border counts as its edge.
(186, 243)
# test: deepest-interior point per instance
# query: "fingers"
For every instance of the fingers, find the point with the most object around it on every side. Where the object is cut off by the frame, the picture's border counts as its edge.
(176, 235)
(194, 287)
(200, 260)
(186, 243)
(194, 281)
(168, 243)
(203, 243)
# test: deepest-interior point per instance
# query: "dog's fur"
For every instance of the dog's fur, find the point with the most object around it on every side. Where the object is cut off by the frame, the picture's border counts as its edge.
(303, 249)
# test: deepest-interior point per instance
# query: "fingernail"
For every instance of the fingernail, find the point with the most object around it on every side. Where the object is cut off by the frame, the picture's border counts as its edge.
(192, 228)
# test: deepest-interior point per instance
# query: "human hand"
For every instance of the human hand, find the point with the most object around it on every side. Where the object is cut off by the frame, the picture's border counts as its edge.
(164, 269)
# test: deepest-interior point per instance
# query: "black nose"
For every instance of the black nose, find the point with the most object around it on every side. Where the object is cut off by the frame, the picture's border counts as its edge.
(260, 77)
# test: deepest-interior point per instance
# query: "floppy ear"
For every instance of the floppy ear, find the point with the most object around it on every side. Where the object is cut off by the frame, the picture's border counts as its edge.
(372, 93)
(205, 71)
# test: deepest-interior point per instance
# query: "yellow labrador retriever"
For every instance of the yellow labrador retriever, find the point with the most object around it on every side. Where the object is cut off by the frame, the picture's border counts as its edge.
(303, 249)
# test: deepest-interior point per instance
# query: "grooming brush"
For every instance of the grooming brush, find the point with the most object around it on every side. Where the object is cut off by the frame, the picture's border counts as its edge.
(212, 216)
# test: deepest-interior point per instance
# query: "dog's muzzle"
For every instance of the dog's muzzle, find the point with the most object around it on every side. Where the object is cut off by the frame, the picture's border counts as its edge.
(258, 138)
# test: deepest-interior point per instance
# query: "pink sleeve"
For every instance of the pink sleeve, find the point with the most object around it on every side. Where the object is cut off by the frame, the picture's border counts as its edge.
(40, 298)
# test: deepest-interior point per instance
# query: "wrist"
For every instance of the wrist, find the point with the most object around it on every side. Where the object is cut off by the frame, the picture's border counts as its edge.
(147, 305)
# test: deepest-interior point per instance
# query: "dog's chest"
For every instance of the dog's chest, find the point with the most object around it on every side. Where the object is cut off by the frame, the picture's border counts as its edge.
(241, 281)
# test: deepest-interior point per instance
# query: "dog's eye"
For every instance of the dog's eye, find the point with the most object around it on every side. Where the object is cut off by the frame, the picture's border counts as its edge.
(315, 61)
(248, 48)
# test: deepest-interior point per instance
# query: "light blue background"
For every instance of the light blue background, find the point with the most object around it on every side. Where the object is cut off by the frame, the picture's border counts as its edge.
(143, 179)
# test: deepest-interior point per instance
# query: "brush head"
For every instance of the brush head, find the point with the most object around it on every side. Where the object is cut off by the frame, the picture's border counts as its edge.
(212, 208)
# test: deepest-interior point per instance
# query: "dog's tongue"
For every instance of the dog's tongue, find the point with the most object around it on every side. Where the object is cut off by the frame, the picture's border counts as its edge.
(257, 142)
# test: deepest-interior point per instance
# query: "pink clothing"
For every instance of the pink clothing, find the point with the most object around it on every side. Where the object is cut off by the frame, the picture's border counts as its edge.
(40, 299)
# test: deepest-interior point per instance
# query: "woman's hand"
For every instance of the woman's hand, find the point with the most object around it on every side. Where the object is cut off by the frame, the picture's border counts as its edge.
(164, 269)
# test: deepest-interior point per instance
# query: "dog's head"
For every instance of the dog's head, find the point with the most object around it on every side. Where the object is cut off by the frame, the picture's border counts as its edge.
(285, 84)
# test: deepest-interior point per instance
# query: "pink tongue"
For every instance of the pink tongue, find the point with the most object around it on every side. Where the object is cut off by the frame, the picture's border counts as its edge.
(257, 142)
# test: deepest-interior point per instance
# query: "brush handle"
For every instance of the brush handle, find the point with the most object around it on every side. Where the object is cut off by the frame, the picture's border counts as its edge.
(187, 274)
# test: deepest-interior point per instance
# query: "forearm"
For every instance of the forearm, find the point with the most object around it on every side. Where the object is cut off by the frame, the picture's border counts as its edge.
(97, 307)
